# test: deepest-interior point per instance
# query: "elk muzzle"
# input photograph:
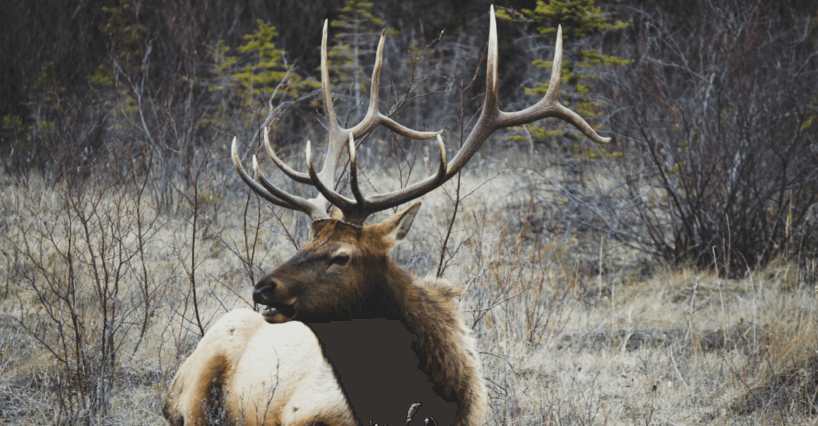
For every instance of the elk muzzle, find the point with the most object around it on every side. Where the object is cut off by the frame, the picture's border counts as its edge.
(280, 311)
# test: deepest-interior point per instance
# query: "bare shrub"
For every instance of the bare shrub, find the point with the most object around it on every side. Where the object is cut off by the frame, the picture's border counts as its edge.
(721, 110)
(75, 253)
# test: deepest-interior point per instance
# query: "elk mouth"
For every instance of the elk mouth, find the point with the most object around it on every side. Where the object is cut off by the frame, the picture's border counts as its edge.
(278, 313)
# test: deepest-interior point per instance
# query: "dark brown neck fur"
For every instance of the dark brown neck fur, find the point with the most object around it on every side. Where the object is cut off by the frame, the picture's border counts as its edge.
(421, 332)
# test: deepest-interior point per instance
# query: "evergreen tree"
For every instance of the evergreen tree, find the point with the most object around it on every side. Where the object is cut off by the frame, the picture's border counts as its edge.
(265, 66)
(257, 73)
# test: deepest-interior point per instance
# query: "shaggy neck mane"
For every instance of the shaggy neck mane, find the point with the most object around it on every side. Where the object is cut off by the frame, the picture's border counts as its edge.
(444, 348)
(420, 339)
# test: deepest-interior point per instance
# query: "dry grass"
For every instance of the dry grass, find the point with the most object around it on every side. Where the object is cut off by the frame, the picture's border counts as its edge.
(570, 334)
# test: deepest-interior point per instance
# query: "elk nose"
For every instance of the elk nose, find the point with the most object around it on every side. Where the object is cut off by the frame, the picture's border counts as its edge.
(263, 291)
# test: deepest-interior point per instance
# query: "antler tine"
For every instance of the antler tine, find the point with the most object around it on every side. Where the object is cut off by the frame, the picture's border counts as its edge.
(280, 198)
(301, 204)
(333, 197)
(375, 86)
(360, 201)
(329, 109)
(440, 177)
(294, 175)
(335, 146)
(556, 71)
(490, 104)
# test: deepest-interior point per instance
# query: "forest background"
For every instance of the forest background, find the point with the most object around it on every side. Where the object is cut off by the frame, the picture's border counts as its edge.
(668, 277)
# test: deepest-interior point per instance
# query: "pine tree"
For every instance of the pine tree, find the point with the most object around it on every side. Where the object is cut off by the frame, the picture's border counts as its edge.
(265, 66)
(256, 73)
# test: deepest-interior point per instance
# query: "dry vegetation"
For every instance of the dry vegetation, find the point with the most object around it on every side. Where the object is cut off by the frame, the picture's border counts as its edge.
(672, 279)
(99, 309)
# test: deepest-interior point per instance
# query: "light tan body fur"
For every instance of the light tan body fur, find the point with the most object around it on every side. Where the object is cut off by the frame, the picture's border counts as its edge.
(269, 374)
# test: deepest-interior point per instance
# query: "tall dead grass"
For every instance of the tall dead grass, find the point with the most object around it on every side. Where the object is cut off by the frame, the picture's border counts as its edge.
(104, 293)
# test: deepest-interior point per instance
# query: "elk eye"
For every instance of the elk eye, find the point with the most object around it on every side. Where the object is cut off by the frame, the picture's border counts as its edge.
(341, 259)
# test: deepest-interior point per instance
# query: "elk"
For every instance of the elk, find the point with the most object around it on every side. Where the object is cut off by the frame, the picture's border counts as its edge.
(349, 337)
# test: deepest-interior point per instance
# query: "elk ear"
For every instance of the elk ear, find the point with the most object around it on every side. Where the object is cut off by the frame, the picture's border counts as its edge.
(336, 213)
(396, 227)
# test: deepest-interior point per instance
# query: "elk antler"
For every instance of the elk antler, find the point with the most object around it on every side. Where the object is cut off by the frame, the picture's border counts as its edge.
(358, 209)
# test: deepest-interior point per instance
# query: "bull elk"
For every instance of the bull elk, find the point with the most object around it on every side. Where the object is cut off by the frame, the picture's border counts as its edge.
(350, 337)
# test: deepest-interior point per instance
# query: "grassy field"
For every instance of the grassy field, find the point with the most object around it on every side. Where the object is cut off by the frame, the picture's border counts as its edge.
(105, 289)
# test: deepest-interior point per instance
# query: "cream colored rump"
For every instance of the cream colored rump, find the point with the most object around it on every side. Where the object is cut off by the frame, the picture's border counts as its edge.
(269, 375)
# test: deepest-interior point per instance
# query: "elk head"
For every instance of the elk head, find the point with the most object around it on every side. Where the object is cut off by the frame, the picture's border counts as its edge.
(339, 274)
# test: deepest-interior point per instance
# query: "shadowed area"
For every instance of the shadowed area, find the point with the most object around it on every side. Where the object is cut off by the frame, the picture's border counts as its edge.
(393, 380)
